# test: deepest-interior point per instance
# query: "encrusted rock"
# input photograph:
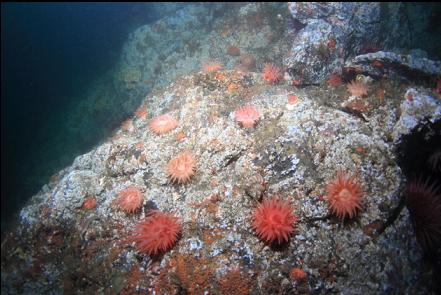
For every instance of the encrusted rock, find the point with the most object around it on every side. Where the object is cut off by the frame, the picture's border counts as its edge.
(294, 151)
(396, 65)
(332, 32)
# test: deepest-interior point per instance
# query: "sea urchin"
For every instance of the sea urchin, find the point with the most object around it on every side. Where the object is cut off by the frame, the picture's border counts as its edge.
(424, 204)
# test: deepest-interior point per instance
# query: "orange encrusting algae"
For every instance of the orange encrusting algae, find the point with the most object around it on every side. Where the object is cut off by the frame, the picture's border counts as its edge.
(297, 274)
(89, 203)
(292, 99)
(334, 80)
(211, 67)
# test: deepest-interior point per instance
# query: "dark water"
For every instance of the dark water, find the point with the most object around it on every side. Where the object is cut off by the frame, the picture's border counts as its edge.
(50, 53)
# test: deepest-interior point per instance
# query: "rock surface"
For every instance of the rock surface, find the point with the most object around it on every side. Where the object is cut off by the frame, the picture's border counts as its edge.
(326, 34)
(395, 65)
(331, 33)
(296, 148)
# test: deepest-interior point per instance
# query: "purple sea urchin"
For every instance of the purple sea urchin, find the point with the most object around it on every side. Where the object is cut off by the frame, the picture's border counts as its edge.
(424, 204)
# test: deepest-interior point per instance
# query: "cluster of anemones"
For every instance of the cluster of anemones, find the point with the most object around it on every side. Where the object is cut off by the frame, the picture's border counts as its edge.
(155, 234)
(273, 219)
(159, 231)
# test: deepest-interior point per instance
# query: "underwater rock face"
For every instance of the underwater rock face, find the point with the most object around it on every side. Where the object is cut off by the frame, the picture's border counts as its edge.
(293, 151)
(336, 31)
(409, 66)
(415, 108)
(333, 32)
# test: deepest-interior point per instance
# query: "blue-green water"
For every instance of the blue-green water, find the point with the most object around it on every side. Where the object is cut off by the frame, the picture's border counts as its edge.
(51, 54)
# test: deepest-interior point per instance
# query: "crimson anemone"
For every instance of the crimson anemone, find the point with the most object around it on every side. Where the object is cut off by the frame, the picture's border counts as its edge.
(273, 220)
(344, 195)
(130, 199)
(157, 233)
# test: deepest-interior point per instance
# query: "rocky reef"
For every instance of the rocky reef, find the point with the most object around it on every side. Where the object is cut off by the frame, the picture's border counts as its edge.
(306, 134)
(325, 35)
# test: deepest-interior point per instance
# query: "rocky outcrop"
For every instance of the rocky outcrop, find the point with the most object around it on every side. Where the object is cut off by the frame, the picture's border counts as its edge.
(331, 33)
(398, 66)
(328, 34)
(297, 147)
(293, 151)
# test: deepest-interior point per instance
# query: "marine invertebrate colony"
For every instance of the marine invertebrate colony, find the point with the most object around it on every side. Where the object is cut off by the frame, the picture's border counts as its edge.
(233, 50)
(344, 195)
(163, 124)
(247, 115)
(211, 66)
(181, 168)
(247, 60)
(424, 203)
(141, 112)
(271, 73)
(157, 233)
(273, 220)
(130, 199)
(297, 274)
(334, 80)
(292, 99)
(89, 203)
(357, 88)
